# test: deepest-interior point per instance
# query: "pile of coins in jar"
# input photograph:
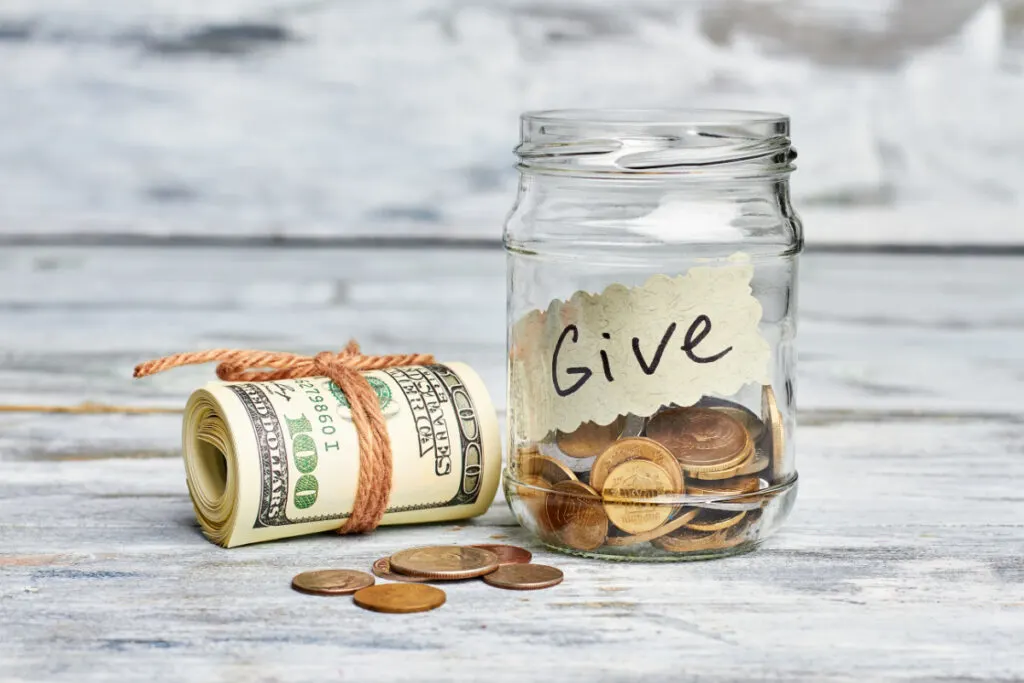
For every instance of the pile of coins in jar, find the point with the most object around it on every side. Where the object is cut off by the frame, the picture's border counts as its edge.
(501, 566)
(687, 480)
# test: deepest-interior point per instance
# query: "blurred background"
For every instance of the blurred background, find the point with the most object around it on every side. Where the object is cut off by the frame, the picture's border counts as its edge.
(143, 120)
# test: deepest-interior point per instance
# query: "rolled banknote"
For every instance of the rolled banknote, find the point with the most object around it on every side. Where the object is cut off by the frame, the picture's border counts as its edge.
(268, 460)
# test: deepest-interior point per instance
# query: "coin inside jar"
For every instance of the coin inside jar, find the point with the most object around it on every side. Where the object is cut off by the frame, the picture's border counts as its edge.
(589, 438)
(331, 581)
(635, 448)
(690, 541)
(524, 577)
(507, 554)
(716, 520)
(400, 598)
(773, 419)
(751, 422)
(548, 469)
(701, 439)
(577, 515)
(628, 486)
(532, 491)
(445, 562)
(757, 462)
(726, 487)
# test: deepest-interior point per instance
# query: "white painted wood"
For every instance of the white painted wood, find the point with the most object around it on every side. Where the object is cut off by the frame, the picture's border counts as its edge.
(901, 561)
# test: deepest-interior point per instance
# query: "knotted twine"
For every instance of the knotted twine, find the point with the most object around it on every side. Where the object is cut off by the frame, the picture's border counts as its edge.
(373, 488)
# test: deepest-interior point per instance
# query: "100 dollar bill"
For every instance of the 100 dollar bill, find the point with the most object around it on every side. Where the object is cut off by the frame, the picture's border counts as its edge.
(267, 460)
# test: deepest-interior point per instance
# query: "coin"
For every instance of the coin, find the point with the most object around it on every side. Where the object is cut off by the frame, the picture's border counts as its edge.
(726, 487)
(773, 419)
(628, 486)
(635, 448)
(548, 469)
(716, 520)
(589, 438)
(751, 422)
(688, 541)
(331, 581)
(701, 439)
(444, 562)
(577, 516)
(525, 577)
(382, 569)
(752, 465)
(400, 598)
(667, 527)
(507, 554)
(532, 490)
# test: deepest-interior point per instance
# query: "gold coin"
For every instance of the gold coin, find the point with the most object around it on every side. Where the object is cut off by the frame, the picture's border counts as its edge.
(444, 562)
(382, 569)
(631, 449)
(701, 439)
(525, 577)
(507, 554)
(726, 487)
(689, 541)
(548, 469)
(589, 438)
(667, 527)
(773, 419)
(331, 581)
(716, 520)
(400, 598)
(577, 516)
(625, 489)
(532, 491)
(751, 422)
(755, 463)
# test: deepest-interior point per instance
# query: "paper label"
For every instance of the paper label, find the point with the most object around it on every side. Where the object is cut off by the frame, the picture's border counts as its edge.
(635, 349)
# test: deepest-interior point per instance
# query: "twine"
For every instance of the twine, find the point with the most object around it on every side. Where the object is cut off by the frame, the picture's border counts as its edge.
(375, 459)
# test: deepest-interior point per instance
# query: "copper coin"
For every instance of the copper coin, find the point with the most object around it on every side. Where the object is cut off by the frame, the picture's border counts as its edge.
(757, 462)
(577, 515)
(773, 419)
(382, 569)
(331, 581)
(532, 490)
(635, 448)
(525, 577)
(400, 598)
(689, 541)
(701, 439)
(444, 562)
(627, 490)
(666, 528)
(507, 554)
(548, 469)
(716, 520)
(726, 487)
(589, 438)
(751, 422)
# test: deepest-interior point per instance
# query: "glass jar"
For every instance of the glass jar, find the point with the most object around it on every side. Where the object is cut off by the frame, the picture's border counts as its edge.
(652, 271)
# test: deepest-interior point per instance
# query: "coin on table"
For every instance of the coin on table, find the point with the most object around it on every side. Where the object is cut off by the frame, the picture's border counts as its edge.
(577, 515)
(331, 581)
(400, 598)
(627, 490)
(444, 562)
(701, 439)
(668, 527)
(525, 577)
(689, 541)
(757, 462)
(773, 419)
(548, 469)
(635, 448)
(716, 520)
(725, 488)
(382, 569)
(589, 438)
(507, 554)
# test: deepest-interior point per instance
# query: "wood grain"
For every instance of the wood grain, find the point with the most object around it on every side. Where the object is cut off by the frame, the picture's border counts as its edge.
(901, 561)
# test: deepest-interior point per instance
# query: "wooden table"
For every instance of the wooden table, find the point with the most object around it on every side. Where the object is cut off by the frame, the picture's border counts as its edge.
(904, 558)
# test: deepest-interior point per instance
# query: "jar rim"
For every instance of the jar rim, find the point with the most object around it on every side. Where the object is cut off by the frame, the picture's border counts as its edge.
(654, 117)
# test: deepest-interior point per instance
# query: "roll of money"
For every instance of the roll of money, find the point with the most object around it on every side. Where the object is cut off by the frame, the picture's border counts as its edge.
(269, 460)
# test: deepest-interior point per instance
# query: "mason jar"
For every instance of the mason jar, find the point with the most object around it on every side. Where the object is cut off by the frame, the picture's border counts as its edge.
(652, 293)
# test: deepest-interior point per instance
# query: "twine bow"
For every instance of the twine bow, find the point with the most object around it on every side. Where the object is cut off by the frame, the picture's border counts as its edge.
(375, 460)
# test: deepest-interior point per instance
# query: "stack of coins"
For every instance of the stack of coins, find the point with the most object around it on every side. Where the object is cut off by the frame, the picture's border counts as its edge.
(502, 566)
(685, 480)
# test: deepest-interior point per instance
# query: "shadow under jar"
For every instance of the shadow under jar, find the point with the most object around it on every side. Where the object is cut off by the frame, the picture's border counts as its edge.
(652, 272)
